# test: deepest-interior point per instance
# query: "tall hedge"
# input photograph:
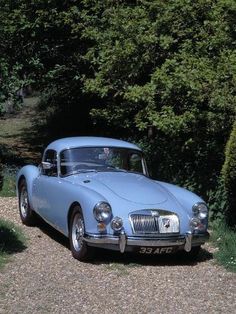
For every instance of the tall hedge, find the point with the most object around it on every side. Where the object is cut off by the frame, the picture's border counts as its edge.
(229, 176)
(123, 68)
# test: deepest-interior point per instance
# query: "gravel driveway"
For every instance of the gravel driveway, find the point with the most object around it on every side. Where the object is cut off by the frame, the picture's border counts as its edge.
(44, 278)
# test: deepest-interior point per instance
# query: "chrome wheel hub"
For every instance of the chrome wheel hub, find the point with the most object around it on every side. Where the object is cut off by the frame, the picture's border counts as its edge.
(24, 202)
(78, 232)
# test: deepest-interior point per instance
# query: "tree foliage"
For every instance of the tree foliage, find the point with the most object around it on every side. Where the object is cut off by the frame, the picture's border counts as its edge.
(12, 64)
(123, 68)
(169, 66)
(229, 176)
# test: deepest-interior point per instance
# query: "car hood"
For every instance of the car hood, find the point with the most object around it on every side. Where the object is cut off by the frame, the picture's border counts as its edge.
(131, 187)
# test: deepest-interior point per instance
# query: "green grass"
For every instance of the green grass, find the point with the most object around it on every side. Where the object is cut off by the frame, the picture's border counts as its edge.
(12, 240)
(17, 136)
(11, 128)
(120, 269)
(225, 240)
(9, 179)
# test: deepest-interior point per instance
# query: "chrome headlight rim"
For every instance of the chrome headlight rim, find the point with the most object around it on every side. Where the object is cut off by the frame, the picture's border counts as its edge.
(200, 210)
(102, 211)
(117, 224)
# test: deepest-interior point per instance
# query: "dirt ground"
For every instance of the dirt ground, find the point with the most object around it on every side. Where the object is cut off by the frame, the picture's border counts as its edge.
(44, 278)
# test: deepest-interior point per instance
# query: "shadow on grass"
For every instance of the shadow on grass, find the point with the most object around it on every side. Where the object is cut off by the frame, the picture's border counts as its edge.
(108, 257)
(12, 239)
(10, 157)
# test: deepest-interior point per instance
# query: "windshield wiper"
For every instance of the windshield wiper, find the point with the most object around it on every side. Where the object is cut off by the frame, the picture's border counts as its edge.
(111, 168)
(80, 171)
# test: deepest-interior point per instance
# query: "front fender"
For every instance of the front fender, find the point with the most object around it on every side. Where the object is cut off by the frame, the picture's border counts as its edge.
(86, 198)
(185, 198)
(29, 172)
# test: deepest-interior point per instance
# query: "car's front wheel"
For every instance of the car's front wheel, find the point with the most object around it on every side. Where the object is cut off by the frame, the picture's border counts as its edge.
(193, 254)
(78, 246)
(27, 215)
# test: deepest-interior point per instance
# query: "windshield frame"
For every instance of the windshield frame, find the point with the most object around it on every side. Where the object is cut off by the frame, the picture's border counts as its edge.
(143, 161)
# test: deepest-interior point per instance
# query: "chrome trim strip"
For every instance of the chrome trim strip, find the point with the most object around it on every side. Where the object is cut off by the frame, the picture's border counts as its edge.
(101, 239)
(156, 242)
(188, 243)
(134, 241)
(122, 241)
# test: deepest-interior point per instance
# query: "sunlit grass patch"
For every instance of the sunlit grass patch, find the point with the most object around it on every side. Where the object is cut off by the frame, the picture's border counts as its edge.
(3, 259)
(9, 179)
(120, 269)
(224, 239)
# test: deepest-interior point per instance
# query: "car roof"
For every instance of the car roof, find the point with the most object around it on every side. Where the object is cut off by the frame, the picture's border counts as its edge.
(89, 141)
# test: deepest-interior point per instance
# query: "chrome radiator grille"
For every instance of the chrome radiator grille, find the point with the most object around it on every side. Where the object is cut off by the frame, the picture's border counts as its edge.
(160, 222)
(144, 224)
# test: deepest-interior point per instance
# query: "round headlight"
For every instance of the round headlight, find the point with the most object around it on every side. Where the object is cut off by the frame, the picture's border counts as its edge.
(200, 210)
(102, 211)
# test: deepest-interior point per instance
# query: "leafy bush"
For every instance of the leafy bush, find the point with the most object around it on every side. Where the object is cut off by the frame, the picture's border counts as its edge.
(229, 177)
(217, 201)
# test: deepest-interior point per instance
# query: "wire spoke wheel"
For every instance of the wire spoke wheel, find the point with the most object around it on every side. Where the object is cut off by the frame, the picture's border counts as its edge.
(27, 215)
(77, 232)
(79, 248)
(24, 204)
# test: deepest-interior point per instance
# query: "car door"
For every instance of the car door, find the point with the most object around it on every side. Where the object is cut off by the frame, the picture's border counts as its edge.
(47, 191)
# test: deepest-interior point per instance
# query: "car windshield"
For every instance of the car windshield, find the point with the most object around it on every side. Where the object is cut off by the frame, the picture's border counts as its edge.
(94, 159)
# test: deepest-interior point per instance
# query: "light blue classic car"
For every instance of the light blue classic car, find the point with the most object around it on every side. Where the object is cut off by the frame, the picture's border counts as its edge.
(97, 192)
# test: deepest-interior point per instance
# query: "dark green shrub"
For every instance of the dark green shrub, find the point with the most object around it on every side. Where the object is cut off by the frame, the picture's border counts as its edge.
(217, 201)
(229, 176)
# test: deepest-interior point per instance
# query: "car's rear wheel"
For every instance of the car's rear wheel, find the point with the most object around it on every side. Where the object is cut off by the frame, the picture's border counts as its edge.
(79, 248)
(27, 215)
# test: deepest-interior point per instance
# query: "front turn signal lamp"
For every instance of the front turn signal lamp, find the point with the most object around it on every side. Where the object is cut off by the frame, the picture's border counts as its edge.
(117, 224)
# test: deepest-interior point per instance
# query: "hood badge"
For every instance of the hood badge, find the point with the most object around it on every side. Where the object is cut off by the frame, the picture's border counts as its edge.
(166, 222)
(86, 181)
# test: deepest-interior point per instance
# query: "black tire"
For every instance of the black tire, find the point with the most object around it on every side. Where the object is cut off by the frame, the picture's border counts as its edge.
(79, 248)
(193, 254)
(27, 215)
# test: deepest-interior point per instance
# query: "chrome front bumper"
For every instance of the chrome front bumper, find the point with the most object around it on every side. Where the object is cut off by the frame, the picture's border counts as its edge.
(122, 241)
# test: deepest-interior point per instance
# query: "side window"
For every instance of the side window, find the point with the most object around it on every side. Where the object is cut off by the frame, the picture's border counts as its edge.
(51, 157)
(135, 163)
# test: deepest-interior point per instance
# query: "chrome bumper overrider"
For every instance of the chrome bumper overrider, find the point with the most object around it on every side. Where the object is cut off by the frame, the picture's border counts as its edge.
(123, 241)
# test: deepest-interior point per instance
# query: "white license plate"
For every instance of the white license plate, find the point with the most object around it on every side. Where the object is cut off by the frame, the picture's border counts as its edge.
(150, 250)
